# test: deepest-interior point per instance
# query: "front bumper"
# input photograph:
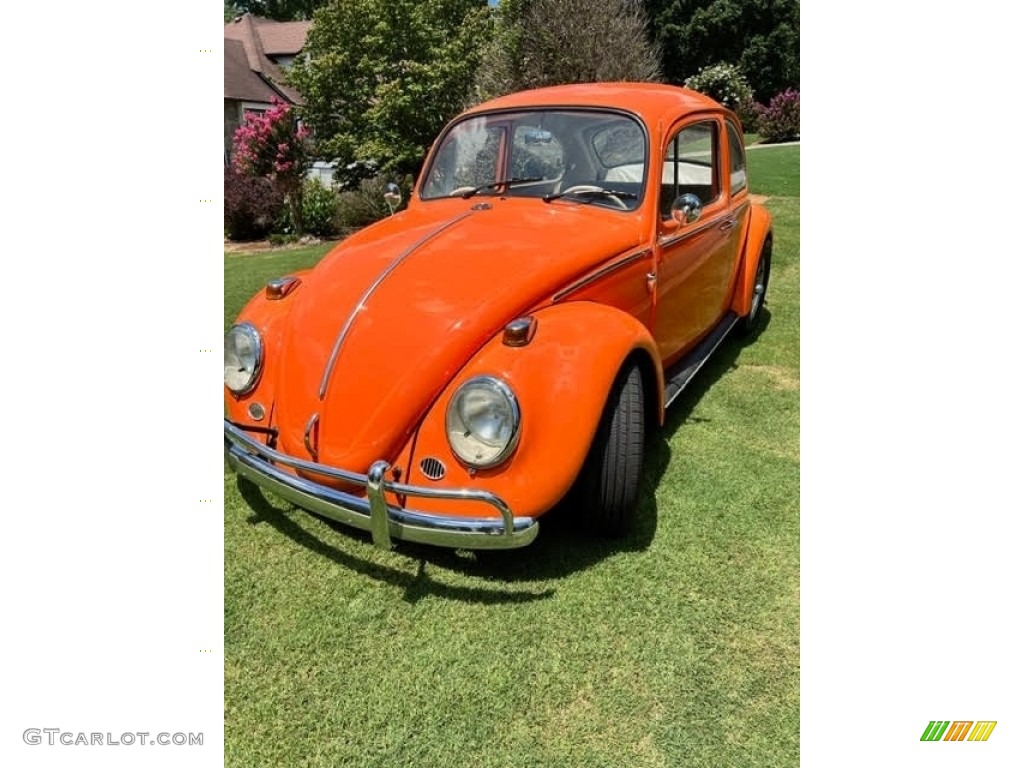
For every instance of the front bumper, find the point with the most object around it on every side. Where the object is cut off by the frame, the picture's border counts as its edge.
(385, 521)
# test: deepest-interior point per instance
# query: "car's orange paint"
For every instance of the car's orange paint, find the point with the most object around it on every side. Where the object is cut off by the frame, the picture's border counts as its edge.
(379, 335)
(758, 230)
(453, 317)
(560, 410)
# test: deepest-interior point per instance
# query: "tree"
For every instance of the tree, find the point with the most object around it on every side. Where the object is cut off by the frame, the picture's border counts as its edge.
(281, 10)
(274, 146)
(383, 76)
(761, 36)
(550, 42)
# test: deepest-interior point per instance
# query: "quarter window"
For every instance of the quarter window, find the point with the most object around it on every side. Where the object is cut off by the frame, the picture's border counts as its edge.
(737, 162)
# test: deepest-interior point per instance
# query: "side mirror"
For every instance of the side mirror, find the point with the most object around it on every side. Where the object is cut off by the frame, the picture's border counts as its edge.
(392, 196)
(686, 208)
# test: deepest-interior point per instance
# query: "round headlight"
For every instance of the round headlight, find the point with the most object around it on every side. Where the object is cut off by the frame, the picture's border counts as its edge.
(483, 422)
(242, 356)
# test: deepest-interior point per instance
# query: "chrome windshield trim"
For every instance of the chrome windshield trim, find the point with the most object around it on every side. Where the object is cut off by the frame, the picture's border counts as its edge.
(384, 521)
(361, 304)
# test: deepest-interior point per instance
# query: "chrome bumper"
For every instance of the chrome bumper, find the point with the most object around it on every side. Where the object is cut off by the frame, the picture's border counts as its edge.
(255, 461)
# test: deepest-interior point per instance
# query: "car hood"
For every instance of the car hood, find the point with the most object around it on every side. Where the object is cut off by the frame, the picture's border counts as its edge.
(389, 316)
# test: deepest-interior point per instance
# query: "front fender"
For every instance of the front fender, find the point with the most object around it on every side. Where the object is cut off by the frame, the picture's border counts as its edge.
(269, 317)
(561, 379)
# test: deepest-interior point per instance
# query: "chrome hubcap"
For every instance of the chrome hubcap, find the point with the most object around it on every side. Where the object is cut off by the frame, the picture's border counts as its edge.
(755, 301)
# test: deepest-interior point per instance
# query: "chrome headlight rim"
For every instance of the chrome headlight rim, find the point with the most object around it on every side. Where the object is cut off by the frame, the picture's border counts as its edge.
(254, 335)
(499, 386)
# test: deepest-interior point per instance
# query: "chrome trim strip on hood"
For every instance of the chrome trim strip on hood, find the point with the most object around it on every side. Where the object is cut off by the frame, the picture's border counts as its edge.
(369, 292)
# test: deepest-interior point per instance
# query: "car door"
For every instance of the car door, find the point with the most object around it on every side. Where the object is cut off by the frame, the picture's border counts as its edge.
(694, 262)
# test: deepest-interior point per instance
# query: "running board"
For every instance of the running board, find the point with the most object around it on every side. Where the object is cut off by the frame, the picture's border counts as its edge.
(680, 374)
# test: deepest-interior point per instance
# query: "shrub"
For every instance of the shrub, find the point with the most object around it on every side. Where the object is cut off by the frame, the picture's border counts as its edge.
(365, 205)
(724, 83)
(278, 239)
(319, 205)
(750, 115)
(780, 120)
(251, 205)
(275, 146)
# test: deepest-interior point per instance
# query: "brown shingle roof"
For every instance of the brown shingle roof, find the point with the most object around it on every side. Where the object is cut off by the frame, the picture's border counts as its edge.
(240, 82)
(243, 30)
(282, 38)
(244, 48)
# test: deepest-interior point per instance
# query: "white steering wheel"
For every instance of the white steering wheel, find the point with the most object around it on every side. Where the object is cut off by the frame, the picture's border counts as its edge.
(590, 188)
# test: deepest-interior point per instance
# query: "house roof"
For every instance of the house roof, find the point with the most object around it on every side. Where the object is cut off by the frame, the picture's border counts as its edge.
(249, 72)
(241, 82)
(281, 38)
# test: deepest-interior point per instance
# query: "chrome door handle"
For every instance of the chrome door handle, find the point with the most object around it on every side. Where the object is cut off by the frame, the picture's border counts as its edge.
(726, 225)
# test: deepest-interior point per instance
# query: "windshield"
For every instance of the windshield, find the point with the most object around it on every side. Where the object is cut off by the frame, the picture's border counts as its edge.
(577, 156)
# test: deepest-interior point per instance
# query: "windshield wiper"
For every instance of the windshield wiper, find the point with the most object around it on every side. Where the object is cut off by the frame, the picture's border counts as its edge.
(602, 191)
(503, 183)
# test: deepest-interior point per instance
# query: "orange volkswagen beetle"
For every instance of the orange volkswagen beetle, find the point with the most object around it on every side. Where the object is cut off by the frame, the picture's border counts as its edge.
(568, 260)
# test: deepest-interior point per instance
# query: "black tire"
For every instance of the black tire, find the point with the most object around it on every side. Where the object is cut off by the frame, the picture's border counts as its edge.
(609, 483)
(760, 295)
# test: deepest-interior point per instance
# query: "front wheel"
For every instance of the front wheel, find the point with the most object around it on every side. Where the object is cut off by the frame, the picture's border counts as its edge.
(610, 479)
(760, 292)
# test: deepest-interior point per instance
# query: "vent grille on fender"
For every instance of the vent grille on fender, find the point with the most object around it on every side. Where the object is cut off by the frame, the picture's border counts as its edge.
(432, 468)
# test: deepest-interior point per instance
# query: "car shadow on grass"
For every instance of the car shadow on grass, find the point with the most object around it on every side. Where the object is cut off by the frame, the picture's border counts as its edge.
(561, 548)
(416, 586)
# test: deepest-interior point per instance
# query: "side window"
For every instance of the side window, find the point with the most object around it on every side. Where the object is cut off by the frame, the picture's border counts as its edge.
(737, 162)
(690, 163)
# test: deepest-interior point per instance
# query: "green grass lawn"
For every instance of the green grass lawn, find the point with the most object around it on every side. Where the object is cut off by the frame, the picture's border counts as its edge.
(675, 647)
(772, 171)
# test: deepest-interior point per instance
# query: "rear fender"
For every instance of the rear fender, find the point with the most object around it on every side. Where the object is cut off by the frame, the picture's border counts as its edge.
(561, 380)
(759, 228)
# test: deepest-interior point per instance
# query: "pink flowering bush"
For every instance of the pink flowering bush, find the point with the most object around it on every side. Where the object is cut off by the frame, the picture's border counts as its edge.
(275, 146)
(780, 120)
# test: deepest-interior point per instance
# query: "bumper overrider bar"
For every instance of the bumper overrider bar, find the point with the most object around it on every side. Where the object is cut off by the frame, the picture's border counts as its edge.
(258, 463)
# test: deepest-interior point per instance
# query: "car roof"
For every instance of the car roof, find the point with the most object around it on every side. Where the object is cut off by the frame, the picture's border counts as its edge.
(651, 101)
